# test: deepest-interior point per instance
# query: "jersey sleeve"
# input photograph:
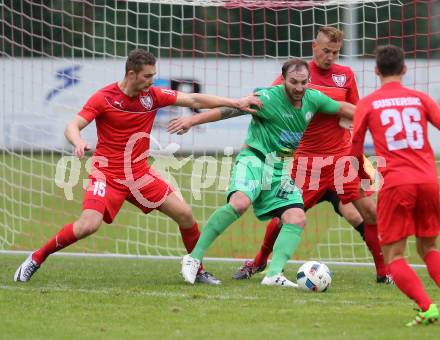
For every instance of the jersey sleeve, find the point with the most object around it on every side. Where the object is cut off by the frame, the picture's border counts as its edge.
(165, 97)
(326, 104)
(352, 94)
(432, 111)
(360, 125)
(278, 80)
(93, 107)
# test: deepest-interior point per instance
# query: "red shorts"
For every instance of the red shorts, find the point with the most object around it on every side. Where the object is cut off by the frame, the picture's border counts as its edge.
(405, 210)
(335, 175)
(106, 195)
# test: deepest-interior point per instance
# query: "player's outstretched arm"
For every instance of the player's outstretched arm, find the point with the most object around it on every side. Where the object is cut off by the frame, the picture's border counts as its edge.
(330, 106)
(72, 134)
(347, 110)
(182, 125)
(206, 101)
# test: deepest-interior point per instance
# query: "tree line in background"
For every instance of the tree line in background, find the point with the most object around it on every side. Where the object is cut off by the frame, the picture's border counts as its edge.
(61, 28)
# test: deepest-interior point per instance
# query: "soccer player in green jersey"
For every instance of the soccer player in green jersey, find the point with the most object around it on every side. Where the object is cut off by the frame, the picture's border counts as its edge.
(261, 175)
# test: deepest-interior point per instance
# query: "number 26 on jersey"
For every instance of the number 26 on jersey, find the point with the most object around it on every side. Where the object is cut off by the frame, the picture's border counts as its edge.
(407, 120)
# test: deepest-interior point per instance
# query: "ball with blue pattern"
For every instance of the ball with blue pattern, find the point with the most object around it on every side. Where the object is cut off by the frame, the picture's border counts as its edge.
(314, 276)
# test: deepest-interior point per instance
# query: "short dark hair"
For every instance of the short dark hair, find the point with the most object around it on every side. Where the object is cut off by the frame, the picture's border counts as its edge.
(390, 60)
(332, 33)
(137, 58)
(296, 64)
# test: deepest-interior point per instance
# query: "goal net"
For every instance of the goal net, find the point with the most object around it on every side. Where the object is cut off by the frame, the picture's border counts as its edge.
(55, 54)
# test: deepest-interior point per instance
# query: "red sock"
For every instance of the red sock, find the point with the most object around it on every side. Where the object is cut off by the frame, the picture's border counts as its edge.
(372, 241)
(409, 283)
(62, 239)
(190, 237)
(432, 260)
(270, 237)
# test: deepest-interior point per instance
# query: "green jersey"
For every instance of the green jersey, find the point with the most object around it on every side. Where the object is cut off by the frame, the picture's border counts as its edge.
(279, 126)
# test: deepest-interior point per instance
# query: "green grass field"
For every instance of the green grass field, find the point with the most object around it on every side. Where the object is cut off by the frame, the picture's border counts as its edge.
(91, 298)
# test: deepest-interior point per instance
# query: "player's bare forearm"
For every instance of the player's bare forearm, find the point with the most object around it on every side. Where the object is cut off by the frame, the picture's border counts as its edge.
(347, 110)
(230, 112)
(208, 101)
(181, 125)
(213, 115)
(200, 101)
(72, 134)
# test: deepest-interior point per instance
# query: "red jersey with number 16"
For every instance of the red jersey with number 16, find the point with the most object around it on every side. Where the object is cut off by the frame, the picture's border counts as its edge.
(397, 119)
(123, 126)
(324, 136)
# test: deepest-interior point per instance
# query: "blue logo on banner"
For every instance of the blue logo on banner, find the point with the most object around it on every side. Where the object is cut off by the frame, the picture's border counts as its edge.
(69, 78)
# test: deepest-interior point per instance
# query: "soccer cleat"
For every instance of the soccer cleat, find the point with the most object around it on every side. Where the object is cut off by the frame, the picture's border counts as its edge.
(190, 268)
(26, 270)
(278, 280)
(207, 278)
(425, 318)
(247, 270)
(386, 279)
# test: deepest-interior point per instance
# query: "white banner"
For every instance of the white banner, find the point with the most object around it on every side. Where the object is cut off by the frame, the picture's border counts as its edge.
(41, 95)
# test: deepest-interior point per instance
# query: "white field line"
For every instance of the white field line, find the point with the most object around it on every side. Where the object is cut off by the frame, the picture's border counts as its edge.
(217, 259)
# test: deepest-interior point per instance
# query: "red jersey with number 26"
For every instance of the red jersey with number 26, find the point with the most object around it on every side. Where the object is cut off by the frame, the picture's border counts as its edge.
(397, 119)
(123, 126)
(323, 135)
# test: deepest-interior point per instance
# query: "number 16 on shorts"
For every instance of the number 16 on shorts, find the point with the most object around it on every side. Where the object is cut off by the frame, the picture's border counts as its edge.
(99, 189)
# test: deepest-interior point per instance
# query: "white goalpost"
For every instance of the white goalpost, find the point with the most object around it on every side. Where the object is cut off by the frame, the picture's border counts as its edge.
(55, 54)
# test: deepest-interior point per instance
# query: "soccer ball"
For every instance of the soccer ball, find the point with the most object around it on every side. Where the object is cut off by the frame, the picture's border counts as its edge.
(314, 276)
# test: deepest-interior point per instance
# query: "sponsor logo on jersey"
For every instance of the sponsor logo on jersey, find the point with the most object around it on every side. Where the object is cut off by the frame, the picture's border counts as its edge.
(264, 93)
(289, 140)
(119, 104)
(339, 79)
(146, 101)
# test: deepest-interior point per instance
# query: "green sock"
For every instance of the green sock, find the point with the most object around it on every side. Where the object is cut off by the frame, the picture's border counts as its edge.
(285, 245)
(217, 223)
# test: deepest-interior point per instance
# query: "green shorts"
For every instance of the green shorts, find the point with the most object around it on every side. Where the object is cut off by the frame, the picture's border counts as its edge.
(269, 188)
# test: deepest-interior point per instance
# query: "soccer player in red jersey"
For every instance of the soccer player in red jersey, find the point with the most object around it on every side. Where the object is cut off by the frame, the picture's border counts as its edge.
(124, 113)
(408, 202)
(316, 159)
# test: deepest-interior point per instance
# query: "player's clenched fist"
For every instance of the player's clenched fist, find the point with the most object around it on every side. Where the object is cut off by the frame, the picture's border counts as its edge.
(80, 148)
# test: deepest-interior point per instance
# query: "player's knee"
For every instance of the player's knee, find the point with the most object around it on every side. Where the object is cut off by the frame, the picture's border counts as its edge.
(240, 202)
(424, 246)
(86, 226)
(294, 216)
(369, 214)
(391, 257)
(186, 218)
(367, 208)
(370, 217)
(354, 218)
(394, 251)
